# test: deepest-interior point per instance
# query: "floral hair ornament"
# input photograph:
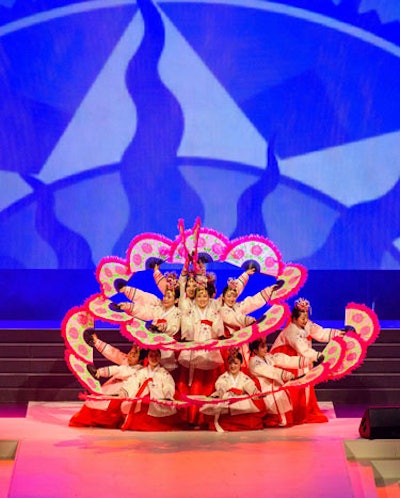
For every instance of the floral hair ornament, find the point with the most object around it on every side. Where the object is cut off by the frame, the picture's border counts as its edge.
(303, 305)
(232, 284)
(201, 281)
(172, 280)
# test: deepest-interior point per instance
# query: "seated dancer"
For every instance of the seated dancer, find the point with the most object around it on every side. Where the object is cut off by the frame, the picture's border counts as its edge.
(107, 412)
(235, 314)
(244, 415)
(156, 383)
(164, 313)
(271, 371)
(296, 340)
(200, 368)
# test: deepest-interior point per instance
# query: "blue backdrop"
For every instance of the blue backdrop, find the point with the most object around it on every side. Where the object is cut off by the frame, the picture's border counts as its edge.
(275, 118)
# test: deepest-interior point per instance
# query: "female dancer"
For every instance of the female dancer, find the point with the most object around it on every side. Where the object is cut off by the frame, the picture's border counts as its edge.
(296, 340)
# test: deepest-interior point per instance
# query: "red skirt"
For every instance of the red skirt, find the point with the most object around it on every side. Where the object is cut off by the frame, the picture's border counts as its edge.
(142, 421)
(304, 412)
(234, 423)
(111, 418)
(203, 383)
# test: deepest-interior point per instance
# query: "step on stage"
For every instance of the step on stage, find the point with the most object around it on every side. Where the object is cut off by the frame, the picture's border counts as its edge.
(40, 456)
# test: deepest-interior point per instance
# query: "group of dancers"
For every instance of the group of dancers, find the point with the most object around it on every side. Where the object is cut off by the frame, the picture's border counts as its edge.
(147, 390)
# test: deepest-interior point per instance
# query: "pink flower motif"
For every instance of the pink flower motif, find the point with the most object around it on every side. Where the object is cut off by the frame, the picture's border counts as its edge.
(147, 249)
(242, 335)
(202, 242)
(331, 350)
(73, 333)
(91, 382)
(350, 345)
(288, 271)
(142, 334)
(121, 270)
(256, 250)
(137, 259)
(99, 311)
(78, 367)
(82, 319)
(358, 317)
(331, 361)
(269, 262)
(83, 349)
(274, 311)
(238, 254)
(351, 357)
(164, 251)
(135, 324)
(271, 321)
(217, 248)
(366, 332)
(107, 287)
(159, 338)
(108, 272)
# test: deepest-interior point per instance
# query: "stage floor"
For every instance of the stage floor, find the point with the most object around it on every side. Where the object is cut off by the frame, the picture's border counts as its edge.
(56, 461)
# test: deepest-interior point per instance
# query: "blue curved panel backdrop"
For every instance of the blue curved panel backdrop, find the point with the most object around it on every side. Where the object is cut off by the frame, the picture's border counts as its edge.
(275, 118)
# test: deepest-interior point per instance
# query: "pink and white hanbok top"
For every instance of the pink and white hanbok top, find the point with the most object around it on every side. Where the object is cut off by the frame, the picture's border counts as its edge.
(235, 317)
(298, 341)
(156, 383)
(229, 386)
(147, 306)
(201, 325)
(271, 376)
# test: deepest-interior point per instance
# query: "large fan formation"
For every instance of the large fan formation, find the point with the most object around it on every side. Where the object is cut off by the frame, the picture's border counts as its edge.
(341, 355)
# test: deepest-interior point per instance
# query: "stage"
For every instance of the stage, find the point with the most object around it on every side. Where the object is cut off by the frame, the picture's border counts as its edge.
(42, 457)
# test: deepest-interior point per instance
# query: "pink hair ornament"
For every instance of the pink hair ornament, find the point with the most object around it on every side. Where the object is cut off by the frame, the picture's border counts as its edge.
(303, 305)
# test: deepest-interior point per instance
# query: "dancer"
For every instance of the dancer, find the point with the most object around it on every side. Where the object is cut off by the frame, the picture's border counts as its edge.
(296, 340)
(271, 371)
(164, 314)
(107, 412)
(241, 415)
(156, 383)
(199, 369)
(235, 314)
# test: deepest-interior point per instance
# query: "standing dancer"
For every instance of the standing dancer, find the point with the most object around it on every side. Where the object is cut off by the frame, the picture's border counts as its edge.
(199, 369)
(272, 371)
(235, 314)
(156, 383)
(296, 340)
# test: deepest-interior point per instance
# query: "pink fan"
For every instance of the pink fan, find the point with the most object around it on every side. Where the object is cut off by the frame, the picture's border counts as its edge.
(256, 251)
(105, 309)
(210, 245)
(75, 322)
(333, 353)
(79, 369)
(110, 272)
(147, 250)
(364, 320)
(136, 330)
(312, 377)
(354, 353)
(293, 277)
